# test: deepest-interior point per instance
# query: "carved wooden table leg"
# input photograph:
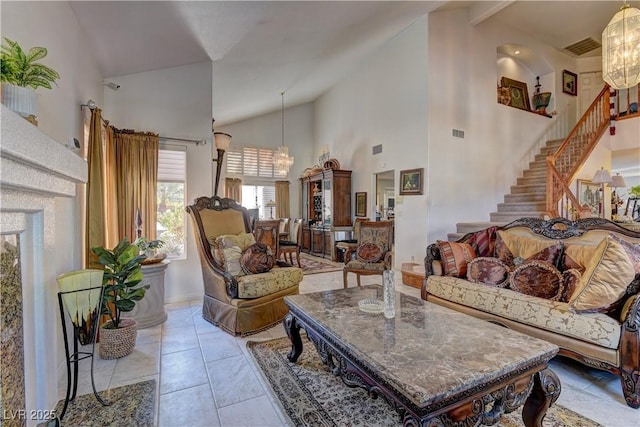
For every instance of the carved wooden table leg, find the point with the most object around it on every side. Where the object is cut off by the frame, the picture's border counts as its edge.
(546, 390)
(293, 332)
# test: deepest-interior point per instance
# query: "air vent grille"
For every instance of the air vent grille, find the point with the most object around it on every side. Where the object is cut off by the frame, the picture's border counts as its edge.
(583, 46)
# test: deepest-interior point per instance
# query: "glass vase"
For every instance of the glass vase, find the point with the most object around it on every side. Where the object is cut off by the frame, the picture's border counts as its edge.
(389, 294)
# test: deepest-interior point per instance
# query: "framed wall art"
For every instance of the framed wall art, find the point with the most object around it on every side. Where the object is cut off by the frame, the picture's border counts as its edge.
(361, 204)
(411, 181)
(569, 82)
(589, 194)
(518, 93)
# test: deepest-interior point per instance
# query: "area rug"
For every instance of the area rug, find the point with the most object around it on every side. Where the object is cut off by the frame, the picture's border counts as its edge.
(131, 405)
(313, 264)
(311, 396)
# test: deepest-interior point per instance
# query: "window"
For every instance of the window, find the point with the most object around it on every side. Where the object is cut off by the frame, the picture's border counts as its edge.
(170, 226)
(257, 196)
(251, 162)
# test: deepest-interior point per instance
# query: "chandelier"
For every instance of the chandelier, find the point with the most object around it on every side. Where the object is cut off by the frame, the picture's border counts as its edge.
(281, 159)
(621, 49)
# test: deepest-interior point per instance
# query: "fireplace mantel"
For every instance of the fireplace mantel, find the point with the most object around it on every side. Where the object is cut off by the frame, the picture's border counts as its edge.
(35, 171)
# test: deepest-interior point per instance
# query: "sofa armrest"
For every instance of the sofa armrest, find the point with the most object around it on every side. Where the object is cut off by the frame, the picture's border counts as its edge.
(630, 315)
(432, 259)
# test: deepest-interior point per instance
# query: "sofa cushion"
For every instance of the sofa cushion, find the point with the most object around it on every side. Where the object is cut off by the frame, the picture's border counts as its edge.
(538, 279)
(369, 252)
(258, 285)
(605, 279)
(577, 256)
(483, 241)
(554, 316)
(227, 250)
(570, 280)
(257, 258)
(455, 257)
(512, 249)
(632, 250)
(361, 265)
(489, 271)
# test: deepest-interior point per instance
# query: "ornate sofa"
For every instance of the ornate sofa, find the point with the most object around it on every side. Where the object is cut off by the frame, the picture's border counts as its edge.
(573, 283)
(240, 297)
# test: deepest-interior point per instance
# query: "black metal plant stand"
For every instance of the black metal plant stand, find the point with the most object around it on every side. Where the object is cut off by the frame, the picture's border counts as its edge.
(77, 355)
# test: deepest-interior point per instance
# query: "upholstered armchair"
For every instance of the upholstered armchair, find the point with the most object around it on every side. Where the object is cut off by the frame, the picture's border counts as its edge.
(244, 286)
(372, 255)
(342, 246)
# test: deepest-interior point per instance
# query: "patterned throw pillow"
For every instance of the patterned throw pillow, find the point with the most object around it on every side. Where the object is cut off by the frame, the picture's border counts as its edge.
(632, 250)
(538, 279)
(488, 271)
(257, 258)
(570, 280)
(455, 257)
(227, 250)
(483, 241)
(514, 250)
(369, 252)
(604, 281)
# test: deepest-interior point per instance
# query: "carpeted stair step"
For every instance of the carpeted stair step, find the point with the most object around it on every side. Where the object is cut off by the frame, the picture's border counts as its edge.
(533, 188)
(512, 216)
(525, 197)
(532, 180)
(470, 227)
(531, 173)
(522, 207)
(538, 164)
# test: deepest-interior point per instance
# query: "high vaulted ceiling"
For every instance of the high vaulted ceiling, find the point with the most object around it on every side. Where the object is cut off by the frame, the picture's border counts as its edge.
(260, 49)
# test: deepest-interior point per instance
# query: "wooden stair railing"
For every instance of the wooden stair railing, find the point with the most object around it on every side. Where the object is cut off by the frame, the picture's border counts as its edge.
(624, 101)
(563, 164)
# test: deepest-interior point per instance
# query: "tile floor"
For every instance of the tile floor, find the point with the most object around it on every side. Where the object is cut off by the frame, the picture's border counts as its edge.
(207, 378)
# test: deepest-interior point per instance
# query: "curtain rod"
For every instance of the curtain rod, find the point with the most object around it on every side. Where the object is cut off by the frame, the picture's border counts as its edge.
(195, 141)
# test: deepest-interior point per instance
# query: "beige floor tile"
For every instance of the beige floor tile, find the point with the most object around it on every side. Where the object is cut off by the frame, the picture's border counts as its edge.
(178, 318)
(191, 407)
(257, 412)
(149, 335)
(217, 346)
(183, 369)
(143, 362)
(233, 380)
(178, 339)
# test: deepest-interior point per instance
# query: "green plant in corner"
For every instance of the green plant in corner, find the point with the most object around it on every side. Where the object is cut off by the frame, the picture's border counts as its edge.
(22, 69)
(635, 191)
(121, 280)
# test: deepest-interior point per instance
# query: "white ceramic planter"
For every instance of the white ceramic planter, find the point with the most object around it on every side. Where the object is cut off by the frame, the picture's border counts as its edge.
(22, 100)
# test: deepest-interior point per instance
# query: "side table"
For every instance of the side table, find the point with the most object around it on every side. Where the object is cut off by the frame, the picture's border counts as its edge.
(149, 311)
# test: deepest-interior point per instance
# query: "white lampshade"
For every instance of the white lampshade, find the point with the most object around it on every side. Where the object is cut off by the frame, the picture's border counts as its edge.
(621, 49)
(222, 140)
(617, 181)
(270, 204)
(601, 177)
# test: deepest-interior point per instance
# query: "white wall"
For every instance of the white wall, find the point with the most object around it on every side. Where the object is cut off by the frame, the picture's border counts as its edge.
(173, 102)
(54, 26)
(384, 101)
(266, 131)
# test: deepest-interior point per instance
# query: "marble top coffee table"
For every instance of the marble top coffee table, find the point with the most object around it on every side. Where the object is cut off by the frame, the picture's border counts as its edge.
(435, 366)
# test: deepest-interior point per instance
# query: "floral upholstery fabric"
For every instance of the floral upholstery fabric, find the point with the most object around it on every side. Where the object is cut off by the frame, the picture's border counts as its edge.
(369, 252)
(554, 316)
(362, 265)
(257, 285)
(257, 258)
(379, 236)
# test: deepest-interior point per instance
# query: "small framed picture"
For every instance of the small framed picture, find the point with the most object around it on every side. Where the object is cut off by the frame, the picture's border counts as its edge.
(589, 195)
(361, 204)
(411, 181)
(569, 82)
(518, 93)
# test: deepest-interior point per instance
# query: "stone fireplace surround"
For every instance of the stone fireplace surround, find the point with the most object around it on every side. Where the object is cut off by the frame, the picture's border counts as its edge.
(35, 171)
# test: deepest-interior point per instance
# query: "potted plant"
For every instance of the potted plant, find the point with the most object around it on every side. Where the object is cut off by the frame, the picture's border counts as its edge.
(21, 74)
(150, 249)
(122, 289)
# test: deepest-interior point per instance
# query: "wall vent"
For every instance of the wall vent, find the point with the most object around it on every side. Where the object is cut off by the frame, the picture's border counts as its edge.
(583, 46)
(377, 149)
(457, 133)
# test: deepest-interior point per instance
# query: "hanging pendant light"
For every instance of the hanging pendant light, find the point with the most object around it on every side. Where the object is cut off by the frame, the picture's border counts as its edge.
(281, 159)
(621, 49)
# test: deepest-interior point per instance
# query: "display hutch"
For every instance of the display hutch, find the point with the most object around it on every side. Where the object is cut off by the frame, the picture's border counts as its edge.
(326, 210)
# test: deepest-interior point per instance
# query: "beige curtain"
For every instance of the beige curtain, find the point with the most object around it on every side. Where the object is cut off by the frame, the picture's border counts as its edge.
(95, 232)
(282, 199)
(233, 189)
(132, 171)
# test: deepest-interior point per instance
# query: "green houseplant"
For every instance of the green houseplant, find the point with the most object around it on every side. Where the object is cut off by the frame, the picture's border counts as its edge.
(21, 73)
(122, 289)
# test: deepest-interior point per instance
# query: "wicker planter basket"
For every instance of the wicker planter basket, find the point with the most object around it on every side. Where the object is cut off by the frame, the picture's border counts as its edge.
(117, 343)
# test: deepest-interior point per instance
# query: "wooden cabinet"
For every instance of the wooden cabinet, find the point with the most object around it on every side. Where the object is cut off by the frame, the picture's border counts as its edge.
(326, 209)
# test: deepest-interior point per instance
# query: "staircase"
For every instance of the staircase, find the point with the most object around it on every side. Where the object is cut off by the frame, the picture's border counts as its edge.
(526, 199)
